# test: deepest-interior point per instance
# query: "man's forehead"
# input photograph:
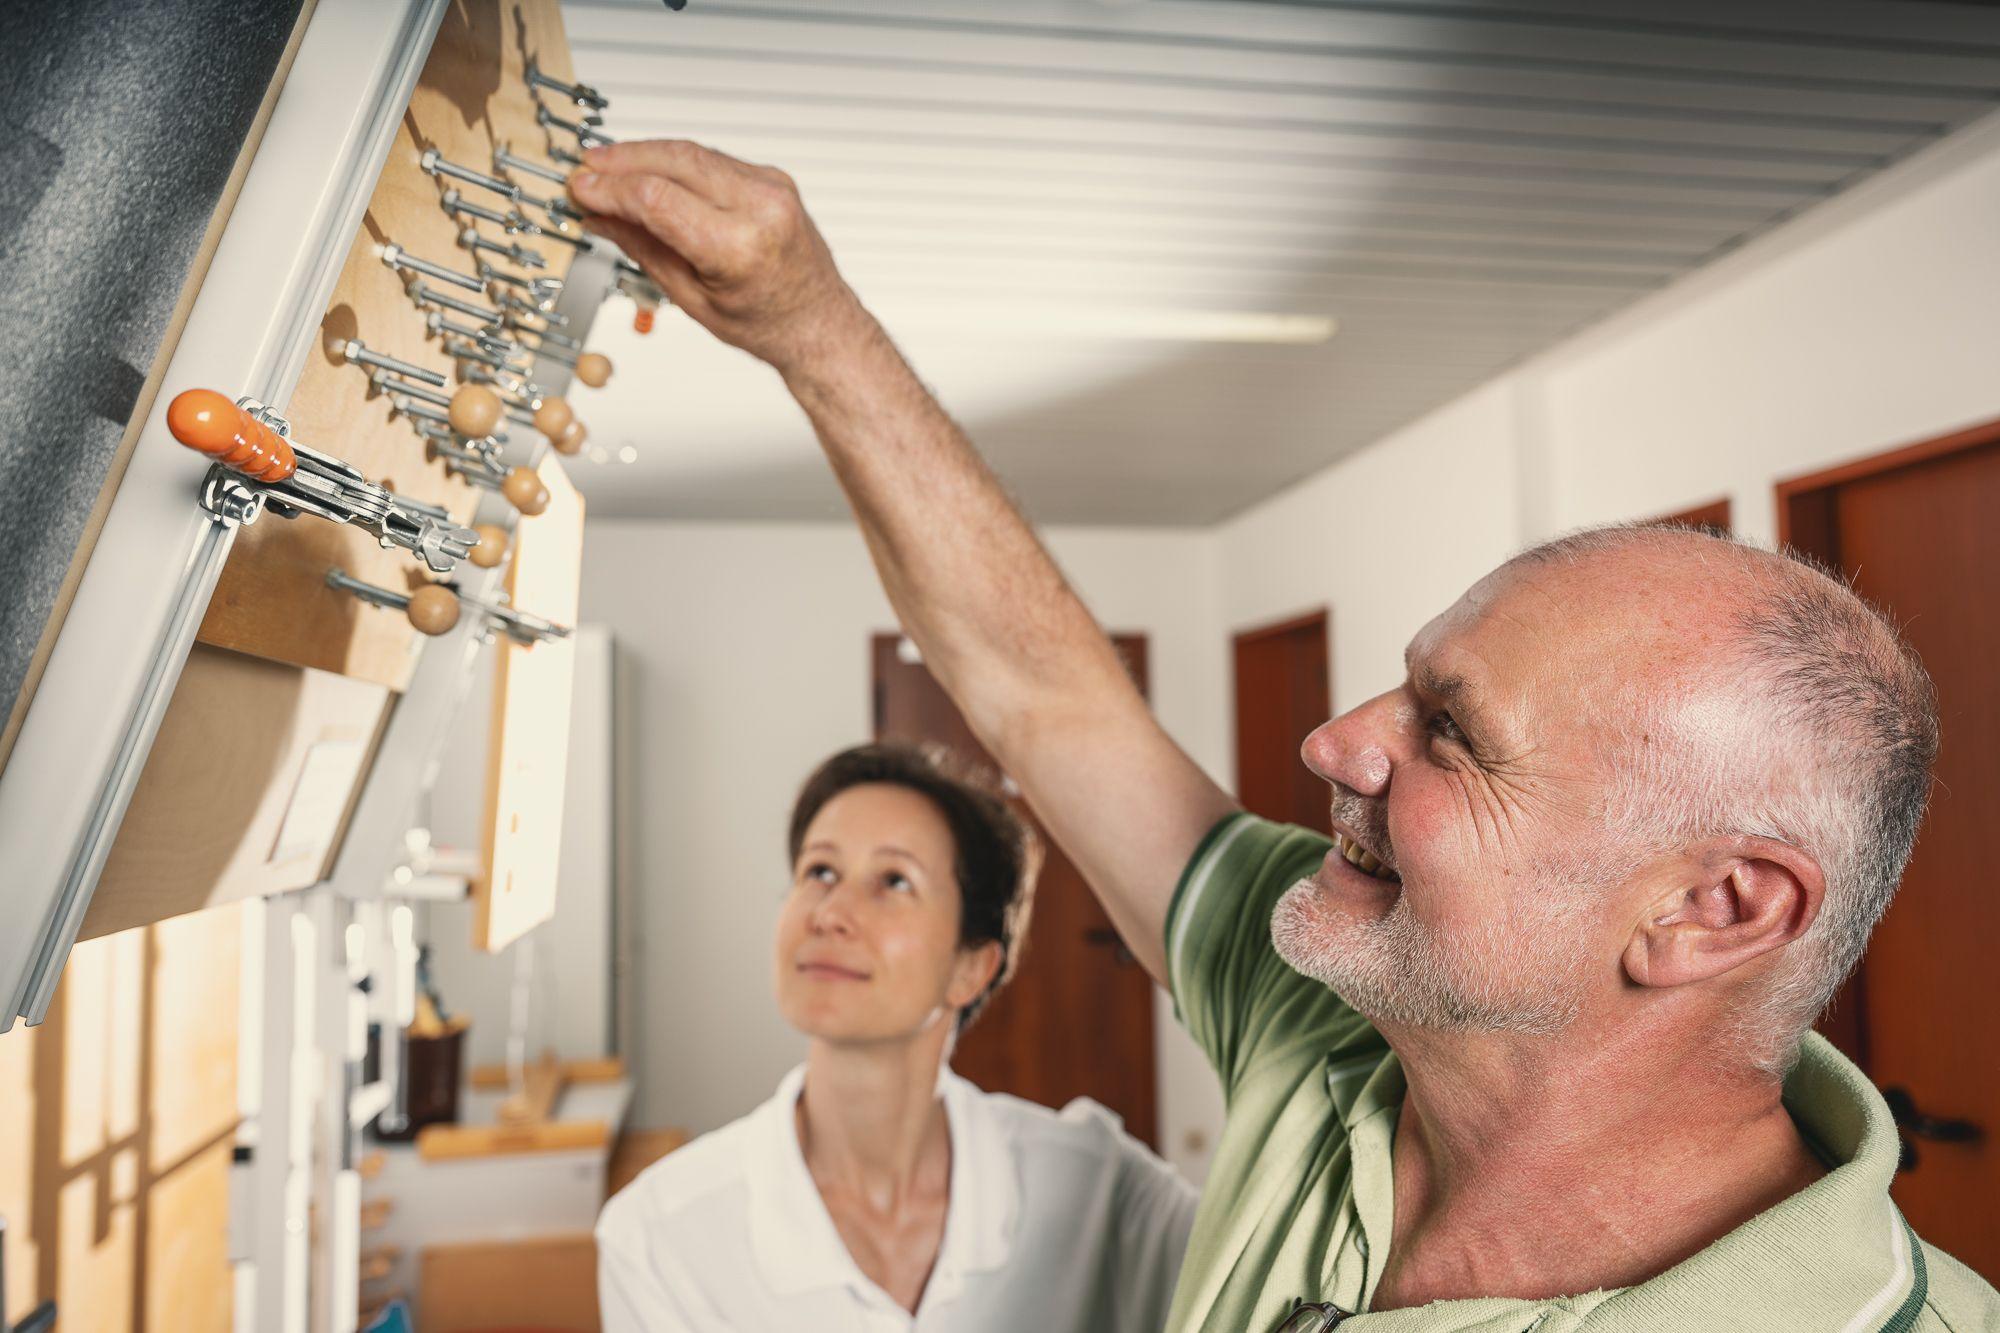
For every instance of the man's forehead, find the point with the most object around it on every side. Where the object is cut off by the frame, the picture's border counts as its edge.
(1506, 636)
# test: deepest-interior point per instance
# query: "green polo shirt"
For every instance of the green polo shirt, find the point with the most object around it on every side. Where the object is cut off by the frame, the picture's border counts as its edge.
(1299, 1199)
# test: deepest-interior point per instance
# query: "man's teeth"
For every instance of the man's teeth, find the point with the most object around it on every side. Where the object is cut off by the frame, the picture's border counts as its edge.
(1360, 857)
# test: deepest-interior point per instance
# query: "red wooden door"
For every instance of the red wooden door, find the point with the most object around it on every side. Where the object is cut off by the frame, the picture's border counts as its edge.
(1077, 1019)
(1282, 694)
(1918, 535)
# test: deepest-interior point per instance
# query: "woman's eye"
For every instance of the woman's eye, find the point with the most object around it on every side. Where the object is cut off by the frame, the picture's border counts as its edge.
(1445, 726)
(900, 883)
(820, 873)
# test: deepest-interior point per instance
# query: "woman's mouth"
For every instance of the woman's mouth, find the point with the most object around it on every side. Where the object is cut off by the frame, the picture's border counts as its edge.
(1362, 859)
(830, 972)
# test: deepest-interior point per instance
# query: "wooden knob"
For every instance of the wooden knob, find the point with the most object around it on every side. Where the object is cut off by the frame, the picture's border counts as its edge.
(524, 490)
(552, 416)
(594, 369)
(433, 609)
(572, 438)
(209, 423)
(475, 410)
(492, 548)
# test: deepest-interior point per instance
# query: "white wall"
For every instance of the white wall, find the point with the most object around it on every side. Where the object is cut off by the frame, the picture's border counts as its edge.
(744, 661)
(1867, 324)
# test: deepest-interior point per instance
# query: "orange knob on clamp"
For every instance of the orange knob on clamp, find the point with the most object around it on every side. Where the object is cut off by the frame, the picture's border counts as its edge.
(552, 417)
(524, 490)
(642, 320)
(476, 410)
(492, 548)
(209, 423)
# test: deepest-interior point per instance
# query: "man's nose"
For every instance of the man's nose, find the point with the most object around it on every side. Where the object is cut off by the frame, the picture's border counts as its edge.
(1357, 749)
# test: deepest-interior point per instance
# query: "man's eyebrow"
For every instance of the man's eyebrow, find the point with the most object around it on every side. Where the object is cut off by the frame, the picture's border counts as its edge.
(1458, 693)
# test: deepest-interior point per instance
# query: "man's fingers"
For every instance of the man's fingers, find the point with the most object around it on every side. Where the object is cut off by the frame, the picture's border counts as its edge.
(715, 177)
(676, 278)
(677, 217)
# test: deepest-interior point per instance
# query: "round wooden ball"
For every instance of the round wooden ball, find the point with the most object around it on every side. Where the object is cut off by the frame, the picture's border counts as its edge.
(492, 548)
(572, 438)
(552, 416)
(524, 490)
(475, 410)
(594, 369)
(433, 609)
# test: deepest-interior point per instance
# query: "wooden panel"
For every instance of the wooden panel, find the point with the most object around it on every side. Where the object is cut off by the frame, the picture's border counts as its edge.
(203, 826)
(450, 1143)
(121, 1110)
(546, 1284)
(530, 737)
(272, 601)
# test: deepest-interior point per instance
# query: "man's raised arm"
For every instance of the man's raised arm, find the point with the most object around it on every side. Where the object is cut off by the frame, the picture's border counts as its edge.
(997, 624)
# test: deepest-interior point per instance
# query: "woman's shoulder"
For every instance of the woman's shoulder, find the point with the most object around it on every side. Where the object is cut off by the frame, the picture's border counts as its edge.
(685, 1181)
(1083, 1127)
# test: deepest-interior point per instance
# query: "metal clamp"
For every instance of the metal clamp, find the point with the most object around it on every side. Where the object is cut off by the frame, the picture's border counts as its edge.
(580, 93)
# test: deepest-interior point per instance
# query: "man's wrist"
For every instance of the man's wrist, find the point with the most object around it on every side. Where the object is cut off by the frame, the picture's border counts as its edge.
(839, 343)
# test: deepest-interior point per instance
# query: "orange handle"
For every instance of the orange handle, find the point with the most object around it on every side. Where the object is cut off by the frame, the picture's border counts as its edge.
(209, 423)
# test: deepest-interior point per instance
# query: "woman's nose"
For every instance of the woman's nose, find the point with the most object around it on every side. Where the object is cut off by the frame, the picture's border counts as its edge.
(831, 915)
(1356, 749)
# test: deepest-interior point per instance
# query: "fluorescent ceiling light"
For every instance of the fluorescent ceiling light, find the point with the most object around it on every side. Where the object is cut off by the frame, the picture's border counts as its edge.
(1137, 323)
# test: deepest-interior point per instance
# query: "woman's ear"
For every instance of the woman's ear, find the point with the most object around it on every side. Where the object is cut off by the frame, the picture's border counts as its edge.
(1751, 896)
(972, 973)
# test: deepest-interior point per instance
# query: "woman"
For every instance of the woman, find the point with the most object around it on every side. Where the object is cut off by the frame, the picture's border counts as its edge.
(877, 1190)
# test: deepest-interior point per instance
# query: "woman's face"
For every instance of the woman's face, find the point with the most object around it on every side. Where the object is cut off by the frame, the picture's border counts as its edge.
(867, 947)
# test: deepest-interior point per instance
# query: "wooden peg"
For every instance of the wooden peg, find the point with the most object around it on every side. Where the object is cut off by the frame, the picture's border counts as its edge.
(492, 548)
(433, 609)
(209, 423)
(572, 438)
(475, 411)
(552, 417)
(594, 369)
(524, 490)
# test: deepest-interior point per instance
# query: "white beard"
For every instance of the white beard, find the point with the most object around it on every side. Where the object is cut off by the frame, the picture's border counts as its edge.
(1527, 978)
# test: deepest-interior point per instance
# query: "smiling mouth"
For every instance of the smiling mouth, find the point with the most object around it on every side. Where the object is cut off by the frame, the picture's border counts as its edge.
(1363, 860)
(832, 970)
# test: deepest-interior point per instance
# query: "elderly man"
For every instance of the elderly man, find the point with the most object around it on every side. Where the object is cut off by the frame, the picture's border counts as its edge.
(1527, 1044)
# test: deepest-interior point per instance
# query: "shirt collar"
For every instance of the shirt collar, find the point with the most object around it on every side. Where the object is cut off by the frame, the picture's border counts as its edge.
(792, 1237)
(1838, 1251)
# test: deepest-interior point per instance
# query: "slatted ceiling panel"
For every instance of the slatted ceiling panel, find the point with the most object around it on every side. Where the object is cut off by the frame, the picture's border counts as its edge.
(1459, 184)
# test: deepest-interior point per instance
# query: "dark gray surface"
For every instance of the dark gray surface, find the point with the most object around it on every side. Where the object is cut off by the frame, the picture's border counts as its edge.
(121, 123)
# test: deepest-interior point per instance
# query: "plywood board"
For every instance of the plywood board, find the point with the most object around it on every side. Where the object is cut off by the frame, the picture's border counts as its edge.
(530, 738)
(122, 1107)
(205, 822)
(544, 1284)
(272, 600)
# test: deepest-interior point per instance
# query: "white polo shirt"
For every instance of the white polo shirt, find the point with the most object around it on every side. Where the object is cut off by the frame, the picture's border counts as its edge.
(1057, 1221)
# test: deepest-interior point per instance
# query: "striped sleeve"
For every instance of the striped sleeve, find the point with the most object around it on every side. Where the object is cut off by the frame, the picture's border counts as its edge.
(1239, 1000)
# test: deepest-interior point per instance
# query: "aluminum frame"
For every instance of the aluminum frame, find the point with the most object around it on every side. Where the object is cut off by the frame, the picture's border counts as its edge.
(121, 647)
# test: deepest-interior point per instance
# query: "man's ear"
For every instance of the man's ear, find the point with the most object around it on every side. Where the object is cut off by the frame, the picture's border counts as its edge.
(1747, 898)
(973, 973)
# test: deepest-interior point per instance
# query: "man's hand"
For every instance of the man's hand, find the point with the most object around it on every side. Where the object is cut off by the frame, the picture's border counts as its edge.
(998, 626)
(727, 241)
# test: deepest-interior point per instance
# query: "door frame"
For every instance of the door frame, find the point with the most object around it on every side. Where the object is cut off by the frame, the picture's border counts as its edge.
(1806, 524)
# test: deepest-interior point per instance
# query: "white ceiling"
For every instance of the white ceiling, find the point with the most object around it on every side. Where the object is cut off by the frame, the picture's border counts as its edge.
(1457, 184)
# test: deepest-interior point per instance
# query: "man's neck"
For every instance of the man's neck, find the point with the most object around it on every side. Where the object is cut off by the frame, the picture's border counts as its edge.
(1538, 1168)
(870, 1121)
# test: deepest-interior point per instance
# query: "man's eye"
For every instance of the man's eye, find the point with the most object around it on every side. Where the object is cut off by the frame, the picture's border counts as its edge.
(1445, 726)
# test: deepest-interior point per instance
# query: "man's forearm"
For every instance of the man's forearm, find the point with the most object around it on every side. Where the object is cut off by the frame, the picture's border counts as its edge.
(974, 586)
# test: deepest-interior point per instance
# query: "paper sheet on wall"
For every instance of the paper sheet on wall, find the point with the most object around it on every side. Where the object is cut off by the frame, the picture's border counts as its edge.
(319, 799)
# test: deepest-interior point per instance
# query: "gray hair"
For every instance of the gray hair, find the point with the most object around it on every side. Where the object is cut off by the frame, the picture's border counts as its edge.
(1827, 741)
